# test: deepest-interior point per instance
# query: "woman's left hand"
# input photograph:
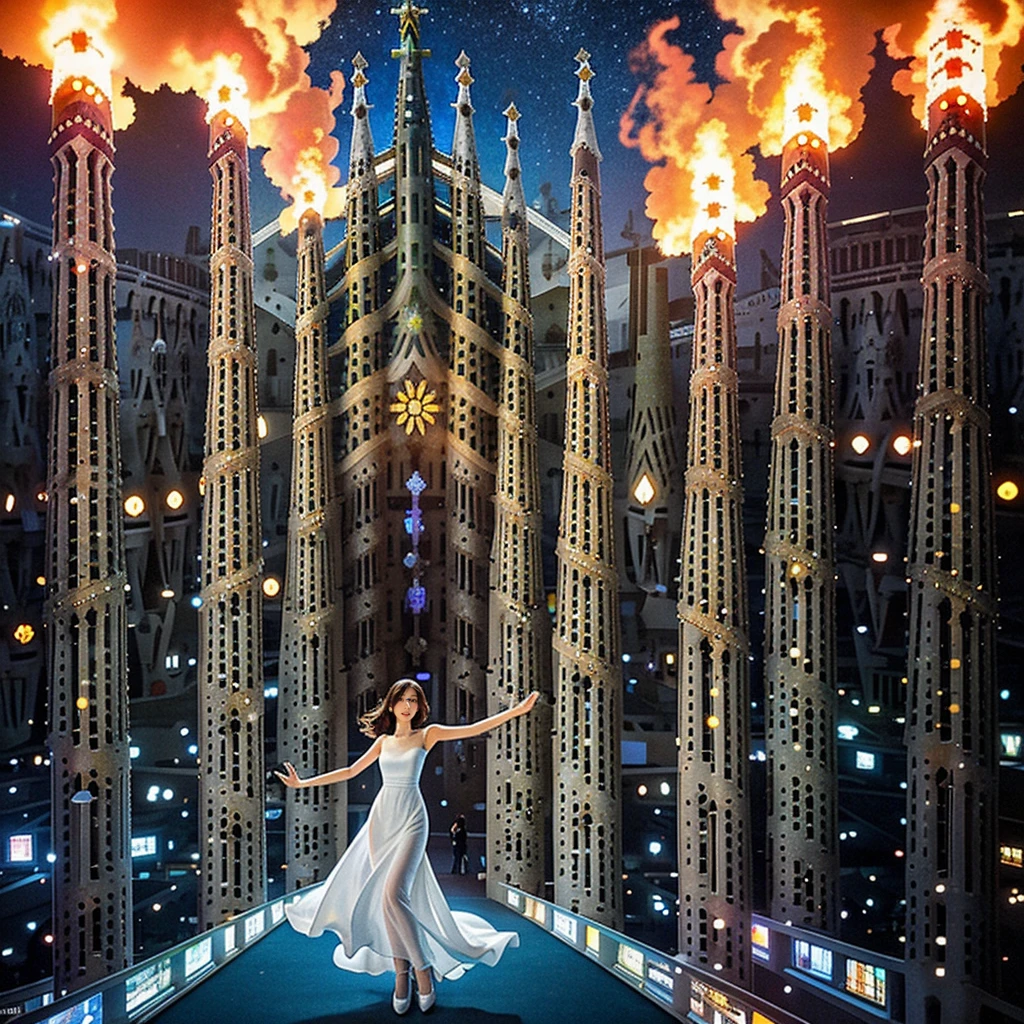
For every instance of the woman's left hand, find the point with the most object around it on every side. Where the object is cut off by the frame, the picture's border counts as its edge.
(525, 706)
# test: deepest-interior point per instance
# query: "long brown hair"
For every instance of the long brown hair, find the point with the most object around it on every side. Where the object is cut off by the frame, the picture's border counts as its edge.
(381, 720)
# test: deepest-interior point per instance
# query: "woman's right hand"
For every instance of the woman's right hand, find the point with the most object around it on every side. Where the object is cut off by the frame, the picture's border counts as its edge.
(290, 777)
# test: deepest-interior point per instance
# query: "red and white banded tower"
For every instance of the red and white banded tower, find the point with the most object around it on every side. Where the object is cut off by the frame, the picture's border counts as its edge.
(800, 655)
(952, 740)
(86, 573)
(714, 689)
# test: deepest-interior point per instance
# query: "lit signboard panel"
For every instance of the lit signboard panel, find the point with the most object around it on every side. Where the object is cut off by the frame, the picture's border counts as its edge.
(593, 939)
(253, 926)
(89, 1011)
(630, 960)
(21, 849)
(760, 941)
(198, 956)
(148, 984)
(564, 925)
(709, 1005)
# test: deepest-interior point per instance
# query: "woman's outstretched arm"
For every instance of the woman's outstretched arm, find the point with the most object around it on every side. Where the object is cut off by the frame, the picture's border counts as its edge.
(290, 777)
(437, 733)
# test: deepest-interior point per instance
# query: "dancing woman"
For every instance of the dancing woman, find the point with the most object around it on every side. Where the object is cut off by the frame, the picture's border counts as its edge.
(382, 899)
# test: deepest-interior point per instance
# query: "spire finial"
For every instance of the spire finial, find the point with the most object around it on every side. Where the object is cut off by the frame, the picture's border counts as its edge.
(464, 78)
(512, 113)
(360, 63)
(409, 24)
(586, 134)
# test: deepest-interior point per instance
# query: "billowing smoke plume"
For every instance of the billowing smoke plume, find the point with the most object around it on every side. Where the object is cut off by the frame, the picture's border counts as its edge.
(824, 46)
(185, 44)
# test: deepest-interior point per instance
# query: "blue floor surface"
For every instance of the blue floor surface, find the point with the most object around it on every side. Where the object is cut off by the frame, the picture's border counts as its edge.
(288, 978)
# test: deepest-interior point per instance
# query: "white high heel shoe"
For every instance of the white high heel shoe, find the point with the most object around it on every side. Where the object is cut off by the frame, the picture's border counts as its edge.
(401, 1006)
(428, 1000)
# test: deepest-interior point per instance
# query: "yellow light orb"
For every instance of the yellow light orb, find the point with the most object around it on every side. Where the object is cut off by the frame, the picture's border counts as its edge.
(954, 709)
(271, 586)
(713, 721)
(879, 556)
(82, 703)
(24, 633)
(901, 444)
(644, 490)
(954, 662)
(1008, 490)
(9, 503)
(175, 499)
(134, 505)
(202, 486)
(860, 444)
(41, 580)
(261, 426)
(641, 790)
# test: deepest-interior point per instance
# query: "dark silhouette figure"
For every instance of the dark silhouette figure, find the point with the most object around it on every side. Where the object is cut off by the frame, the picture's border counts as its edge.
(459, 835)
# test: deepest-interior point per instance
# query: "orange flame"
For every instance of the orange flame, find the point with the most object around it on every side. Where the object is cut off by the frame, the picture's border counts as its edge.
(228, 91)
(978, 48)
(785, 60)
(75, 40)
(713, 183)
(187, 45)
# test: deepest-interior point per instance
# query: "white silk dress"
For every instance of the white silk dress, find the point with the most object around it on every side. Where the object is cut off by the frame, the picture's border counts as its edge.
(383, 900)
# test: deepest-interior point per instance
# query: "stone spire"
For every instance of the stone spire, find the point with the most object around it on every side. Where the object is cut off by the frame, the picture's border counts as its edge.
(413, 144)
(714, 697)
(312, 704)
(85, 561)
(653, 504)
(586, 133)
(519, 753)
(800, 656)
(952, 720)
(231, 775)
(587, 660)
(470, 456)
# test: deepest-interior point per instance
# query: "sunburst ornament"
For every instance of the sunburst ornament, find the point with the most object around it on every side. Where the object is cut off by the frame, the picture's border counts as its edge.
(415, 407)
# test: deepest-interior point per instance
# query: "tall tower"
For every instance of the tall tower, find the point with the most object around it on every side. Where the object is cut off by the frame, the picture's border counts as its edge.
(519, 754)
(652, 458)
(586, 667)
(312, 702)
(472, 378)
(363, 398)
(800, 736)
(714, 691)
(952, 741)
(231, 840)
(92, 880)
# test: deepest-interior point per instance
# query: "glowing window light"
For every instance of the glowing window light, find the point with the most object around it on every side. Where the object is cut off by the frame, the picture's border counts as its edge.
(9, 503)
(665, 789)
(261, 426)
(41, 580)
(865, 762)
(643, 492)
(713, 721)
(901, 444)
(654, 847)
(167, 592)
(24, 633)
(1008, 490)
(670, 658)
(641, 790)
(271, 586)
(880, 556)
(175, 499)
(202, 486)
(860, 444)
(134, 505)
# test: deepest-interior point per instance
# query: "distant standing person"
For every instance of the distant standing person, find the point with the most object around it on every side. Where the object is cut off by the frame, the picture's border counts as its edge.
(459, 835)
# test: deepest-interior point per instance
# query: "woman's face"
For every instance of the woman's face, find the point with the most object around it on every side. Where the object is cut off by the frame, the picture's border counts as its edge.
(406, 706)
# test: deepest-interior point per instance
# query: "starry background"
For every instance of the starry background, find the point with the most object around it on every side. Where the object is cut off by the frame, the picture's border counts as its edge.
(521, 52)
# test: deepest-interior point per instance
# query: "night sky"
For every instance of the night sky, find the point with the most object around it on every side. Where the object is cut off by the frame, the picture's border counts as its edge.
(521, 52)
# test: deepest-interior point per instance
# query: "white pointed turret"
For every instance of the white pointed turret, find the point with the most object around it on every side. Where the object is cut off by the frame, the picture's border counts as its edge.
(586, 133)
(513, 200)
(361, 151)
(464, 141)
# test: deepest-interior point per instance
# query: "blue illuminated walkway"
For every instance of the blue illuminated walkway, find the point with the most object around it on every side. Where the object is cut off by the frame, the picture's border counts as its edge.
(287, 978)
